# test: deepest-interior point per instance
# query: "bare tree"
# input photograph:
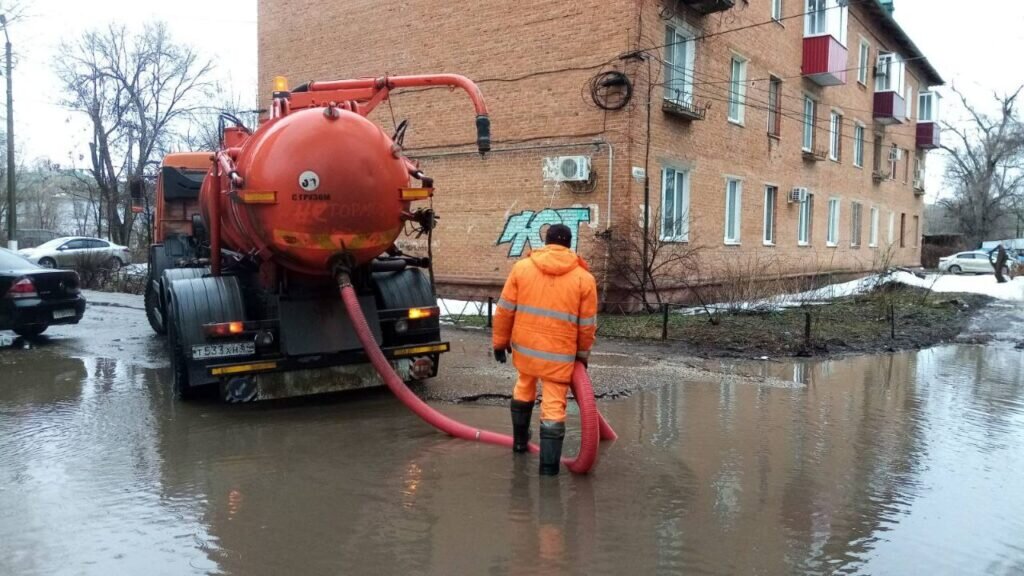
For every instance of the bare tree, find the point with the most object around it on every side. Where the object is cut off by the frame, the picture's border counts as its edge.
(205, 133)
(135, 88)
(669, 265)
(986, 167)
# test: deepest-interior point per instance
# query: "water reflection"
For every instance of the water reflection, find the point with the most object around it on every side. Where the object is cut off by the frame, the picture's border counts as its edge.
(906, 463)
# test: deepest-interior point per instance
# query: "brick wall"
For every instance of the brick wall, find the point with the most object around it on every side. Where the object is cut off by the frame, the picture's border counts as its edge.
(533, 113)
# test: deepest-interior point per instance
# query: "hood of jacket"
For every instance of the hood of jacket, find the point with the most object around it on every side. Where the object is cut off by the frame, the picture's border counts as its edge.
(556, 260)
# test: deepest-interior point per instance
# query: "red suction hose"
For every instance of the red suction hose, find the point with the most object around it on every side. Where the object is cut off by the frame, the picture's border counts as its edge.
(593, 426)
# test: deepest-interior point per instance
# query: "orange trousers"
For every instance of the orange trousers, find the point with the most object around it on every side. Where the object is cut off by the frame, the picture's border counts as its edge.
(552, 404)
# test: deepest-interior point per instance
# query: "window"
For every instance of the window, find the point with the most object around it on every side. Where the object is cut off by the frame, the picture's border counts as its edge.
(892, 227)
(917, 231)
(76, 245)
(771, 195)
(675, 205)
(776, 9)
(877, 161)
(873, 228)
(889, 73)
(733, 200)
(905, 156)
(862, 63)
(738, 89)
(774, 107)
(679, 61)
(804, 221)
(927, 107)
(858, 145)
(903, 229)
(894, 158)
(910, 102)
(809, 112)
(835, 142)
(826, 17)
(855, 224)
(832, 234)
(96, 244)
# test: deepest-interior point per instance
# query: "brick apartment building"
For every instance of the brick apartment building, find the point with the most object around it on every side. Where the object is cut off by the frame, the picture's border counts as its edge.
(792, 132)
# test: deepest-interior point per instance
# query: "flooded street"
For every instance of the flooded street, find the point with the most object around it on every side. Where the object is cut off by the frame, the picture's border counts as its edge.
(893, 464)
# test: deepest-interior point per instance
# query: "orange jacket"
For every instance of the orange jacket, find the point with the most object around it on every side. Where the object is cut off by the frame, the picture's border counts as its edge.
(548, 313)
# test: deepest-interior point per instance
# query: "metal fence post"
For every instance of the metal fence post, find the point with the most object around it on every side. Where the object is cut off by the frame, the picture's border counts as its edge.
(490, 306)
(664, 321)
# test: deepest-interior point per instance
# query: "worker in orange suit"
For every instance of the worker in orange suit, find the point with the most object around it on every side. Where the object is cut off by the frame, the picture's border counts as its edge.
(547, 318)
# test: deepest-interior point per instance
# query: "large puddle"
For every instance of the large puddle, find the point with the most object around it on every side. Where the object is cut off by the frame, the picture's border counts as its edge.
(910, 463)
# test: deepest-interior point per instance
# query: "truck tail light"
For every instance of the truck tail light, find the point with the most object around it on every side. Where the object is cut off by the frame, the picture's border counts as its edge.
(222, 329)
(421, 313)
(23, 288)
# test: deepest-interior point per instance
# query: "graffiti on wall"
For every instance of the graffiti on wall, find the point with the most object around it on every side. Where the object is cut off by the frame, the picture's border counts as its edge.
(524, 227)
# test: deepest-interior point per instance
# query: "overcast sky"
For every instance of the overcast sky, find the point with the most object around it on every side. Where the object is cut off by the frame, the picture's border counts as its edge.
(974, 45)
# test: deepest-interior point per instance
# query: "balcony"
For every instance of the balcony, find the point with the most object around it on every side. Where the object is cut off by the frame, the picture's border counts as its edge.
(815, 154)
(890, 108)
(686, 110)
(825, 60)
(706, 7)
(928, 135)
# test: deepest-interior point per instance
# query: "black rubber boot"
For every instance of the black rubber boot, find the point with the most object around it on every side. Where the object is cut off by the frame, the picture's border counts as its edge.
(551, 436)
(521, 413)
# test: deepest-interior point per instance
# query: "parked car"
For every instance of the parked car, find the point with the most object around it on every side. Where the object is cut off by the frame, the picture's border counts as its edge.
(974, 261)
(68, 251)
(33, 298)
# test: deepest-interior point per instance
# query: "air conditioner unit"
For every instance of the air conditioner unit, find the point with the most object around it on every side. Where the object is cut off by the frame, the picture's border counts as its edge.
(798, 195)
(567, 168)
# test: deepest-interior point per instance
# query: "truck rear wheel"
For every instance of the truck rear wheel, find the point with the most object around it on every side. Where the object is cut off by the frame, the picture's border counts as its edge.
(179, 370)
(154, 311)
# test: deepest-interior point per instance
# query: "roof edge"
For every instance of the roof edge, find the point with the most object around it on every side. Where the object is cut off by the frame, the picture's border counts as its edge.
(889, 25)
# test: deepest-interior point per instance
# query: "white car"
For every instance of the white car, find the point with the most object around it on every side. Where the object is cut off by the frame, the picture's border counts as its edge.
(975, 261)
(69, 251)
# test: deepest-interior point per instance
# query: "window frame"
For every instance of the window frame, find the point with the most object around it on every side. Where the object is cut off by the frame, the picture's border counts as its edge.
(807, 138)
(864, 59)
(681, 198)
(805, 222)
(768, 218)
(737, 215)
(858, 144)
(832, 225)
(776, 10)
(678, 29)
(835, 136)
(873, 228)
(856, 223)
(903, 229)
(737, 90)
(932, 99)
(774, 106)
(892, 226)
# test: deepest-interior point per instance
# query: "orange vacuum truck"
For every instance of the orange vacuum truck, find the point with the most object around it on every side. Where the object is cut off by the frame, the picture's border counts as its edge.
(254, 241)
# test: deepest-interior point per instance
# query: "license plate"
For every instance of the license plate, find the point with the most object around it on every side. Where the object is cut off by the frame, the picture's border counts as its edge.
(223, 350)
(68, 313)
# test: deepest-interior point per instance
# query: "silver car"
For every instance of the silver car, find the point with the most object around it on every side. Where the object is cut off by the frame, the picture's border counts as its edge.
(974, 261)
(70, 251)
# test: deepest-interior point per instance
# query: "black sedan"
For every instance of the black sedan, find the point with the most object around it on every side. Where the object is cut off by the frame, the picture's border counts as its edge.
(33, 298)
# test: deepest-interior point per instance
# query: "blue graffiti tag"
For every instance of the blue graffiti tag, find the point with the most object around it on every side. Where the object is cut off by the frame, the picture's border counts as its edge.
(526, 226)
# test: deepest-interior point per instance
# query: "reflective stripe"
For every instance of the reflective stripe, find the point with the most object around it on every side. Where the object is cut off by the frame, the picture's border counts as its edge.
(550, 313)
(588, 321)
(506, 304)
(583, 353)
(543, 355)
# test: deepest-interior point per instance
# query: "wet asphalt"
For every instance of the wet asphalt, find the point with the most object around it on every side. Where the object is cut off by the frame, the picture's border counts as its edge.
(884, 464)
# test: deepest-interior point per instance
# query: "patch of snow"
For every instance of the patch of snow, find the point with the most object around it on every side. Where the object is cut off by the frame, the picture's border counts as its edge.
(982, 284)
(119, 299)
(459, 308)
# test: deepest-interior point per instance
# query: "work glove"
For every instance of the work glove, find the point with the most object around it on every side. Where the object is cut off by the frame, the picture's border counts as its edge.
(501, 354)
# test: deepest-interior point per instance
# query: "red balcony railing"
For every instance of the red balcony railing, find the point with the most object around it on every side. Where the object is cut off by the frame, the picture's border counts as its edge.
(890, 108)
(825, 60)
(928, 135)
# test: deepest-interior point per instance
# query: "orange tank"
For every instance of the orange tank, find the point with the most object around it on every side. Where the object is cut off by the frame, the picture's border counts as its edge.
(316, 183)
